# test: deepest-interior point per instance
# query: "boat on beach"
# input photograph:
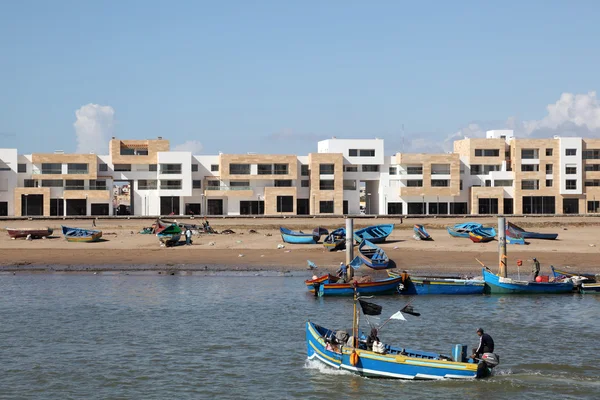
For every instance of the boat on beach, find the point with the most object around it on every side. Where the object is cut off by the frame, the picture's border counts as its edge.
(80, 234)
(462, 230)
(170, 235)
(514, 237)
(372, 255)
(34, 232)
(421, 233)
(374, 234)
(336, 240)
(482, 235)
(423, 285)
(532, 235)
(299, 237)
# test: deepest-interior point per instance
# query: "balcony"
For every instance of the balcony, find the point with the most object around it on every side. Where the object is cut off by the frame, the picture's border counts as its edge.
(48, 172)
(170, 187)
(76, 172)
(228, 188)
(76, 188)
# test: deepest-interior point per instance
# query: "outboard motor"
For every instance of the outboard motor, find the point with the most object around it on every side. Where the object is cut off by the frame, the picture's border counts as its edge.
(490, 359)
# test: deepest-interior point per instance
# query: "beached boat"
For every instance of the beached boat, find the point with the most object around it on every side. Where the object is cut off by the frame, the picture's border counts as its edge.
(327, 285)
(462, 230)
(336, 240)
(560, 274)
(422, 285)
(532, 235)
(590, 288)
(34, 232)
(299, 237)
(514, 237)
(170, 235)
(372, 255)
(80, 234)
(353, 353)
(482, 235)
(421, 233)
(374, 234)
(498, 285)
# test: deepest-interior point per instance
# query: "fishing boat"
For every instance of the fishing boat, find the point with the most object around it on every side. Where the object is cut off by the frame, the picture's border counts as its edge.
(514, 237)
(590, 288)
(80, 234)
(170, 235)
(498, 285)
(372, 255)
(354, 353)
(34, 232)
(532, 235)
(421, 233)
(299, 237)
(422, 285)
(374, 234)
(462, 230)
(560, 273)
(482, 235)
(336, 240)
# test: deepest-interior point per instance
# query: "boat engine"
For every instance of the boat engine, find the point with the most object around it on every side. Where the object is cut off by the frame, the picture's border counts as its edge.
(490, 359)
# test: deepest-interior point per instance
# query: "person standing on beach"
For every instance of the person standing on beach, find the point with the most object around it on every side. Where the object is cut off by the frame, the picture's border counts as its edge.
(188, 237)
(536, 268)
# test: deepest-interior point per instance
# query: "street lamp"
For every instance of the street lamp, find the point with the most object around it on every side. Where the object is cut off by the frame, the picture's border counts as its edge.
(369, 203)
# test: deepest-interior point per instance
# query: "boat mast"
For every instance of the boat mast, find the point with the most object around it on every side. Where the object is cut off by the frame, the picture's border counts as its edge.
(355, 319)
(350, 248)
(502, 247)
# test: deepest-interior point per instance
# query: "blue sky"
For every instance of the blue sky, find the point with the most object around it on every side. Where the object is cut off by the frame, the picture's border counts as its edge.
(275, 76)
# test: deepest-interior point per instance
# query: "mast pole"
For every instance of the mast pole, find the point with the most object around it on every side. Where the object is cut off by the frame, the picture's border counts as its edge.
(355, 320)
(502, 247)
(349, 246)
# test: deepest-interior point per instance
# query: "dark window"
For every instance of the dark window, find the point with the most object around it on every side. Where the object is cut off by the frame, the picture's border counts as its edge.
(283, 183)
(393, 170)
(170, 185)
(488, 206)
(22, 168)
(72, 184)
(76, 207)
(487, 153)
(529, 154)
(508, 206)
(239, 185)
(153, 167)
(592, 167)
(530, 167)
(438, 208)
(548, 169)
(478, 152)
(458, 208)
(125, 151)
(548, 152)
(214, 206)
(530, 185)
(394, 208)
(570, 206)
(52, 168)
(414, 183)
(349, 184)
(350, 168)
(414, 170)
(366, 153)
(213, 184)
(326, 184)
(538, 205)
(280, 169)
(591, 154)
(571, 184)
(304, 170)
(569, 170)
(326, 207)
(99, 209)
(440, 183)
(32, 204)
(370, 168)
(326, 169)
(169, 205)
(29, 183)
(52, 183)
(416, 208)
(122, 167)
(102, 167)
(193, 209)
(147, 184)
(593, 206)
(345, 207)
(285, 203)
(3, 208)
(239, 169)
(252, 207)
(194, 167)
(304, 183)
(73, 168)
(488, 183)
(57, 207)
(98, 184)
(592, 182)
(352, 153)
(214, 168)
(461, 184)
(264, 169)
(570, 152)
(548, 182)
(476, 169)
(196, 184)
(302, 207)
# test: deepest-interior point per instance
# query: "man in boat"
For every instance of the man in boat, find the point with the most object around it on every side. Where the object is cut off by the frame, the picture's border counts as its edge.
(486, 344)
(536, 268)
(342, 273)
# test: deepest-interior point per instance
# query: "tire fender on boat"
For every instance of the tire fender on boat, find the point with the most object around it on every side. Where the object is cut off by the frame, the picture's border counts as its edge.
(353, 358)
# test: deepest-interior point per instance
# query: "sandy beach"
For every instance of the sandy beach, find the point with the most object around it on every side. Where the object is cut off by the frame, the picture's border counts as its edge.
(124, 249)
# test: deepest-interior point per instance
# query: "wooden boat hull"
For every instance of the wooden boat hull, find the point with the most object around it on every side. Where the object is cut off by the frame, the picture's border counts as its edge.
(80, 235)
(23, 233)
(421, 232)
(374, 234)
(496, 285)
(174, 238)
(558, 273)
(397, 363)
(536, 235)
(427, 285)
(480, 239)
(373, 256)
(84, 239)
(327, 287)
(293, 237)
(590, 288)
(336, 240)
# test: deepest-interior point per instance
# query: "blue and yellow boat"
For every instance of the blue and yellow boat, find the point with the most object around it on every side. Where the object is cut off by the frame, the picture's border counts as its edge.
(423, 285)
(372, 255)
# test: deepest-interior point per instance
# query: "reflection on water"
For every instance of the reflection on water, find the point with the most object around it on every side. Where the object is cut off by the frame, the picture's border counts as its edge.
(157, 337)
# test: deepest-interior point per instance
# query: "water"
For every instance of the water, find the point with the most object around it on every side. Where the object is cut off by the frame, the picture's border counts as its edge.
(160, 337)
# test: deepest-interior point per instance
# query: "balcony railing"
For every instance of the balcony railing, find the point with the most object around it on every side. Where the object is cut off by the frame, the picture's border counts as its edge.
(170, 187)
(440, 172)
(77, 172)
(170, 171)
(48, 172)
(98, 188)
(74, 187)
(228, 188)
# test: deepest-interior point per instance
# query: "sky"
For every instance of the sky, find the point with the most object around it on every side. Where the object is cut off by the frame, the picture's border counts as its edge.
(277, 76)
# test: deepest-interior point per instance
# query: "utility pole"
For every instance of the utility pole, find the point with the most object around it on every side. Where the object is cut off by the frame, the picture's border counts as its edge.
(502, 246)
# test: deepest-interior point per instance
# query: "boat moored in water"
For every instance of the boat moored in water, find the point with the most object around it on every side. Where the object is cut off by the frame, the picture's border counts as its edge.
(423, 285)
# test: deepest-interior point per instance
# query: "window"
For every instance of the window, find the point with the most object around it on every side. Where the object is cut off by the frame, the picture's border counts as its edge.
(125, 151)
(214, 168)
(147, 184)
(77, 168)
(213, 185)
(548, 182)
(503, 183)
(529, 154)
(476, 169)
(122, 167)
(349, 184)
(393, 170)
(285, 203)
(461, 184)
(488, 206)
(326, 184)
(548, 152)
(52, 183)
(414, 183)
(414, 170)
(239, 185)
(280, 169)
(440, 169)
(52, 168)
(326, 207)
(571, 170)
(592, 182)
(22, 168)
(326, 169)
(239, 169)
(152, 167)
(591, 154)
(352, 153)
(458, 208)
(170, 169)
(571, 184)
(304, 183)
(304, 170)
(416, 208)
(478, 153)
(350, 168)
(488, 183)
(530, 167)
(265, 169)
(538, 205)
(487, 152)
(489, 168)
(530, 185)
(283, 183)
(592, 167)
(570, 152)
(72, 184)
(548, 169)
(440, 183)
(370, 168)
(170, 185)
(196, 184)
(593, 206)
(438, 208)
(29, 183)
(194, 167)
(98, 184)
(394, 208)
(366, 153)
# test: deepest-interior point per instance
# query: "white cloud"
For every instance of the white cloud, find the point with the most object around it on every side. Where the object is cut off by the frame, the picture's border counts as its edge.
(94, 126)
(194, 146)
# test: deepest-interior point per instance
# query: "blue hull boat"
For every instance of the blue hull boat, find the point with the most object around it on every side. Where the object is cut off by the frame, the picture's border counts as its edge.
(422, 285)
(482, 235)
(421, 233)
(531, 235)
(514, 237)
(326, 286)
(462, 230)
(374, 234)
(299, 237)
(80, 234)
(372, 255)
(497, 285)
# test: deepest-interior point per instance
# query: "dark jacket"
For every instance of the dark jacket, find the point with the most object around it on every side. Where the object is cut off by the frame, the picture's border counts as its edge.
(486, 345)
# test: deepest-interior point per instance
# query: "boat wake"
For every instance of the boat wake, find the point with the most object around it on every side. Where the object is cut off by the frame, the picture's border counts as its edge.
(324, 369)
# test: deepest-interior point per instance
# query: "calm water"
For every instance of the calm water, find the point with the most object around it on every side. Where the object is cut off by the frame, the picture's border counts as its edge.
(166, 337)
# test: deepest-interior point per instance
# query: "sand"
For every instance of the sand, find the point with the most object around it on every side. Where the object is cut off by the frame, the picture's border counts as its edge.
(124, 249)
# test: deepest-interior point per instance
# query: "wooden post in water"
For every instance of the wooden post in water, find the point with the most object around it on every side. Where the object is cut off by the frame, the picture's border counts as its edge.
(349, 246)
(502, 246)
